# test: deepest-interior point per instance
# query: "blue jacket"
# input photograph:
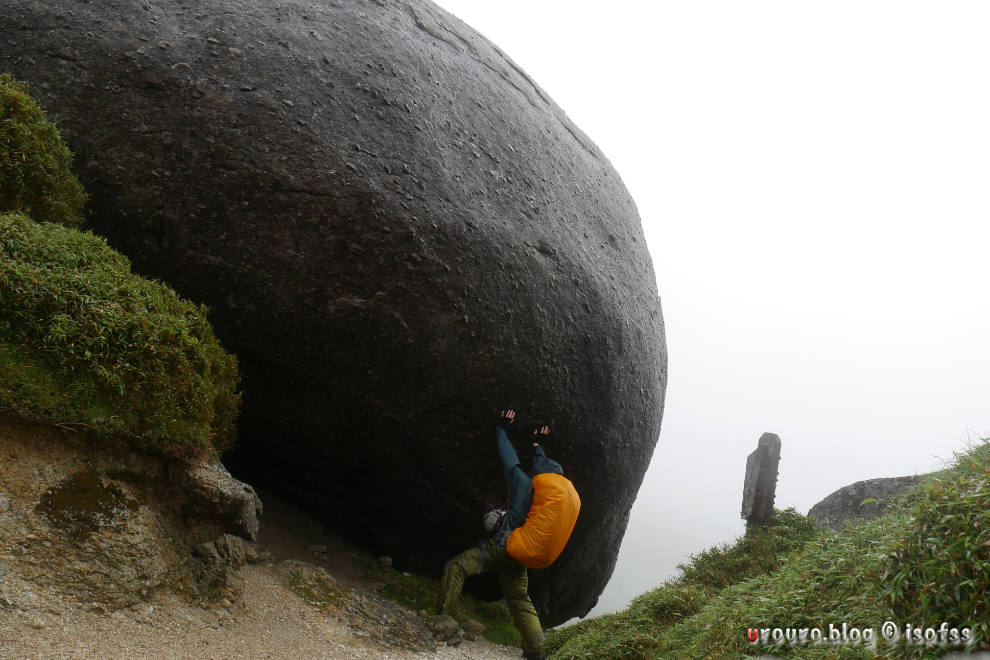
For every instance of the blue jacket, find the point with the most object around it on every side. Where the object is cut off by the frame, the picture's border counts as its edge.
(520, 483)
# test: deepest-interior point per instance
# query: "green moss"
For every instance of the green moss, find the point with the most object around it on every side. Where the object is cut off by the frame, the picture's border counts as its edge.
(314, 586)
(497, 619)
(34, 162)
(84, 342)
(413, 591)
(418, 592)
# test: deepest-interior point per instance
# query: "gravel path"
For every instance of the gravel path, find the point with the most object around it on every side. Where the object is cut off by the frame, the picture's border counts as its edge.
(270, 622)
(267, 620)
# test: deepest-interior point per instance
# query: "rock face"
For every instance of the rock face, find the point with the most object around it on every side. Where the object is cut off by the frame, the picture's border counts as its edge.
(397, 232)
(208, 487)
(97, 524)
(847, 504)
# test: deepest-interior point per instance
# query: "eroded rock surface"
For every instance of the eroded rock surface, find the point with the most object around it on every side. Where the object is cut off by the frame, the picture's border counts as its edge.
(397, 232)
(210, 490)
(97, 524)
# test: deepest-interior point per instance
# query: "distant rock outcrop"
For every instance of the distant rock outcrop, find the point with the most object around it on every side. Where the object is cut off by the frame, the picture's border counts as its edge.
(97, 524)
(863, 500)
(397, 232)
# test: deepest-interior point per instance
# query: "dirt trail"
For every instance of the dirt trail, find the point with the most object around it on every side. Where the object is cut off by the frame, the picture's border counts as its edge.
(268, 621)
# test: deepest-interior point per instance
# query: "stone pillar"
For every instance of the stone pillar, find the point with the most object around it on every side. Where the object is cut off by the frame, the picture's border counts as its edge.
(760, 484)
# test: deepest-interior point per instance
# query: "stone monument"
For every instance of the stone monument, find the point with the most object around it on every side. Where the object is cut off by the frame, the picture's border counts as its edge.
(760, 484)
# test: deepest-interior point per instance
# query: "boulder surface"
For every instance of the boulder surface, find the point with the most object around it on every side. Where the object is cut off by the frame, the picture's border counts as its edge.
(397, 232)
(861, 501)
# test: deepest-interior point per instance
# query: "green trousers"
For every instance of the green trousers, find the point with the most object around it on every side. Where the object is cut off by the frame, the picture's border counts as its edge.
(491, 556)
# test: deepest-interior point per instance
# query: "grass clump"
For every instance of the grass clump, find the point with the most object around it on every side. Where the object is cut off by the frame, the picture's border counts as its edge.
(86, 343)
(939, 569)
(639, 631)
(759, 552)
(34, 162)
(924, 563)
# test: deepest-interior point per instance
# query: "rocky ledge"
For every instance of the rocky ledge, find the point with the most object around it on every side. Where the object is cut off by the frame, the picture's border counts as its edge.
(107, 553)
(96, 524)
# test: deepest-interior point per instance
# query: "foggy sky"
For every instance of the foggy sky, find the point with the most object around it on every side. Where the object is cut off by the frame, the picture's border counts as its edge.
(812, 179)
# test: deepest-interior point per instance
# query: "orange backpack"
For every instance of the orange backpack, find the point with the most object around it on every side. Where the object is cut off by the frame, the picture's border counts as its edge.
(549, 523)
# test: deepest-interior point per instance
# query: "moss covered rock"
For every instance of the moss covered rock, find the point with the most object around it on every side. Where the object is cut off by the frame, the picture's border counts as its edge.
(34, 162)
(85, 342)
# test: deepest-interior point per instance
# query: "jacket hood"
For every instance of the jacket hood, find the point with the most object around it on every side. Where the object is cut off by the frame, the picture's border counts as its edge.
(543, 465)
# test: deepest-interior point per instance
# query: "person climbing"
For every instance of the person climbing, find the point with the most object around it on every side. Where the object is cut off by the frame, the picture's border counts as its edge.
(538, 519)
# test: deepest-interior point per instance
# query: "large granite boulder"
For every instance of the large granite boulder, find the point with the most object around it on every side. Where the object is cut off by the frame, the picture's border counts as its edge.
(861, 501)
(397, 232)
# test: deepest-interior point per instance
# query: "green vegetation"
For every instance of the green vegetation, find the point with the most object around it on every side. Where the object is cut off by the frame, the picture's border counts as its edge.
(34, 163)
(311, 583)
(924, 563)
(420, 593)
(939, 569)
(85, 342)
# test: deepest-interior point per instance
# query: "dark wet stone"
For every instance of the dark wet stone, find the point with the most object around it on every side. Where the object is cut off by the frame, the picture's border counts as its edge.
(85, 502)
